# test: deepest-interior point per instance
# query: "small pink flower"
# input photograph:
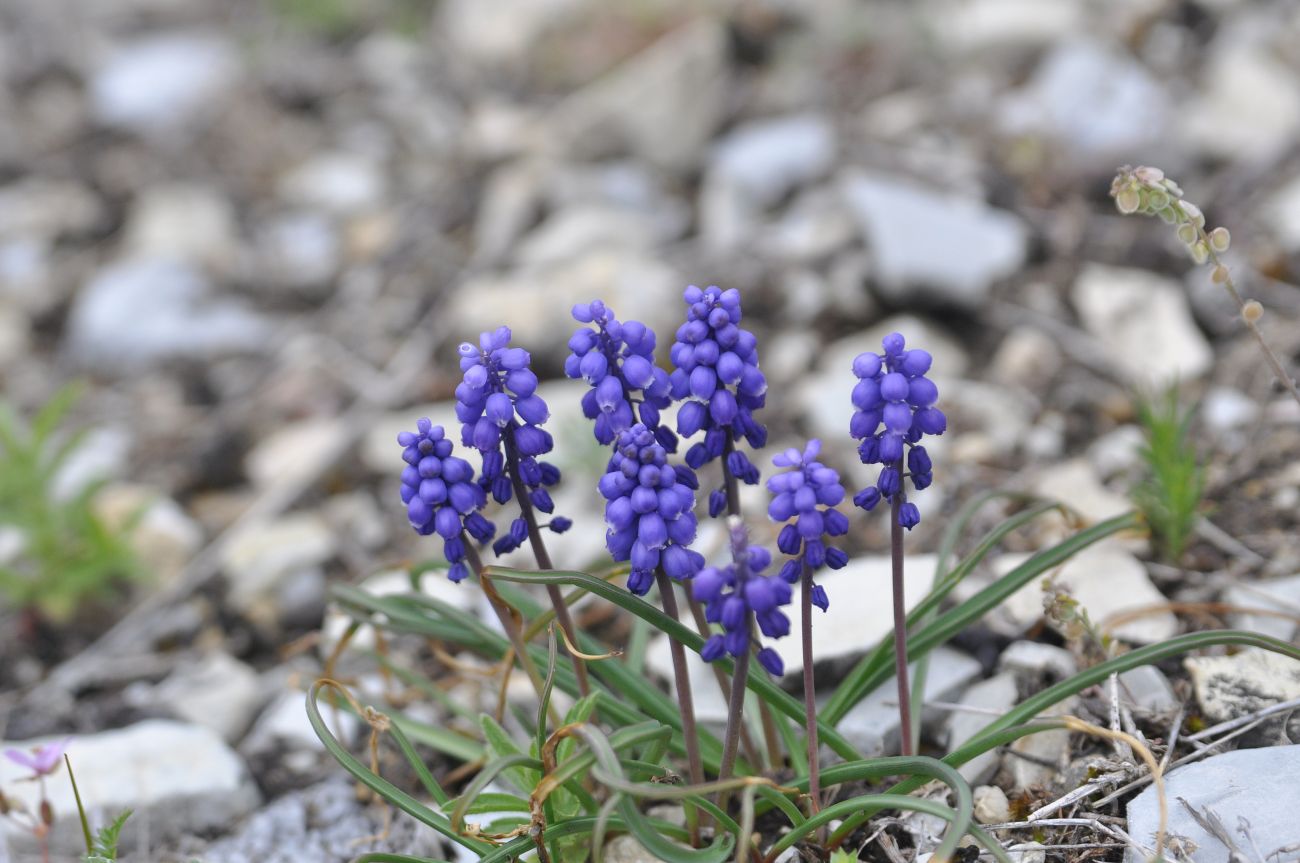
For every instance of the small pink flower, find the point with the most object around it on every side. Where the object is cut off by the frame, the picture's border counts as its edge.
(42, 760)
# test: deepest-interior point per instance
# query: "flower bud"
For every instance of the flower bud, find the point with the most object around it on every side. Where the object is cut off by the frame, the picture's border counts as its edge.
(1193, 214)
(1220, 275)
(1187, 233)
(1200, 252)
(1219, 239)
(1252, 311)
(1157, 199)
(1168, 216)
(1128, 201)
(1147, 174)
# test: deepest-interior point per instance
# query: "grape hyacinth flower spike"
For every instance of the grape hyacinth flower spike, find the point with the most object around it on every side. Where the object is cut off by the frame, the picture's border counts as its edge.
(895, 410)
(502, 416)
(649, 512)
(617, 360)
(805, 496)
(440, 494)
(736, 596)
(716, 372)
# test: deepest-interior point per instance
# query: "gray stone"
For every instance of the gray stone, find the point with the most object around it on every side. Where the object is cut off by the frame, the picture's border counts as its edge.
(768, 158)
(1000, 25)
(816, 225)
(15, 335)
(1104, 578)
(1147, 689)
(1117, 452)
(872, 725)
(48, 209)
(1231, 686)
(509, 204)
(217, 692)
(1143, 323)
(300, 249)
(283, 747)
(1225, 410)
(991, 805)
(504, 33)
(144, 311)
(1027, 357)
(904, 223)
(187, 222)
(1281, 215)
(1249, 106)
(637, 285)
(103, 454)
(297, 452)
(1126, 108)
(338, 182)
(1043, 749)
(1031, 660)
(998, 693)
(259, 560)
(324, 823)
(1277, 596)
(177, 778)
(679, 83)
(161, 534)
(163, 81)
(576, 230)
(1257, 785)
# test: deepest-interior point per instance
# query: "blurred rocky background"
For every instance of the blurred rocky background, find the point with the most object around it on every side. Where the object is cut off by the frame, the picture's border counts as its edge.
(257, 231)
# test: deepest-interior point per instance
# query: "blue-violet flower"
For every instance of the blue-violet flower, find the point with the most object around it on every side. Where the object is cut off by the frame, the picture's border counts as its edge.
(716, 371)
(498, 404)
(617, 359)
(440, 493)
(737, 592)
(807, 493)
(895, 408)
(649, 511)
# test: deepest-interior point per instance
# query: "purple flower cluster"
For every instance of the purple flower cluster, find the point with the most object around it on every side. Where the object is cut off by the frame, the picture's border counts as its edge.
(440, 493)
(649, 510)
(716, 371)
(734, 593)
(808, 493)
(617, 359)
(895, 408)
(497, 403)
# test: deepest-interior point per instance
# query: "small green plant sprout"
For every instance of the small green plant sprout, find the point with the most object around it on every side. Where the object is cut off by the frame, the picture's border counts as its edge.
(1147, 191)
(66, 555)
(1169, 495)
(101, 847)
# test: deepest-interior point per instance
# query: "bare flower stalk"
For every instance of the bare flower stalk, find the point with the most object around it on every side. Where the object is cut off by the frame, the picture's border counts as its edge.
(1148, 191)
(900, 630)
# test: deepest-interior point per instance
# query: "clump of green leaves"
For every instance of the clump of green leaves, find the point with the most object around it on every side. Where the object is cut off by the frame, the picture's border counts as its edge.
(67, 556)
(1169, 495)
(103, 847)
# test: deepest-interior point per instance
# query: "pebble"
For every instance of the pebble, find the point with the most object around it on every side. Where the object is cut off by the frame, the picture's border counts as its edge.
(766, 159)
(143, 311)
(258, 560)
(505, 33)
(325, 823)
(637, 285)
(1142, 321)
(163, 82)
(1076, 484)
(872, 725)
(1027, 357)
(48, 209)
(680, 83)
(815, 225)
(216, 691)
(1281, 214)
(341, 183)
(987, 26)
(300, 249)
(137, 768)
(1031, 661)
(997, 694)
(1278, 595)
(1147, 689)
(903, 222)
(991, 805)
(576, 230)
(1117, 452)
(188, 222)
(162, 535)
(1225, 410)
(1044, 748)
(1248, 107)
(15, 335)
(103, 454)
(1128, 109)
(1107, 580)
(298, 451)
(1256, 786)
(1231, 686)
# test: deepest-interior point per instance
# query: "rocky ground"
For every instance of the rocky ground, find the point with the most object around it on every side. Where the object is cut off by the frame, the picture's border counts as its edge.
(258, 230)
